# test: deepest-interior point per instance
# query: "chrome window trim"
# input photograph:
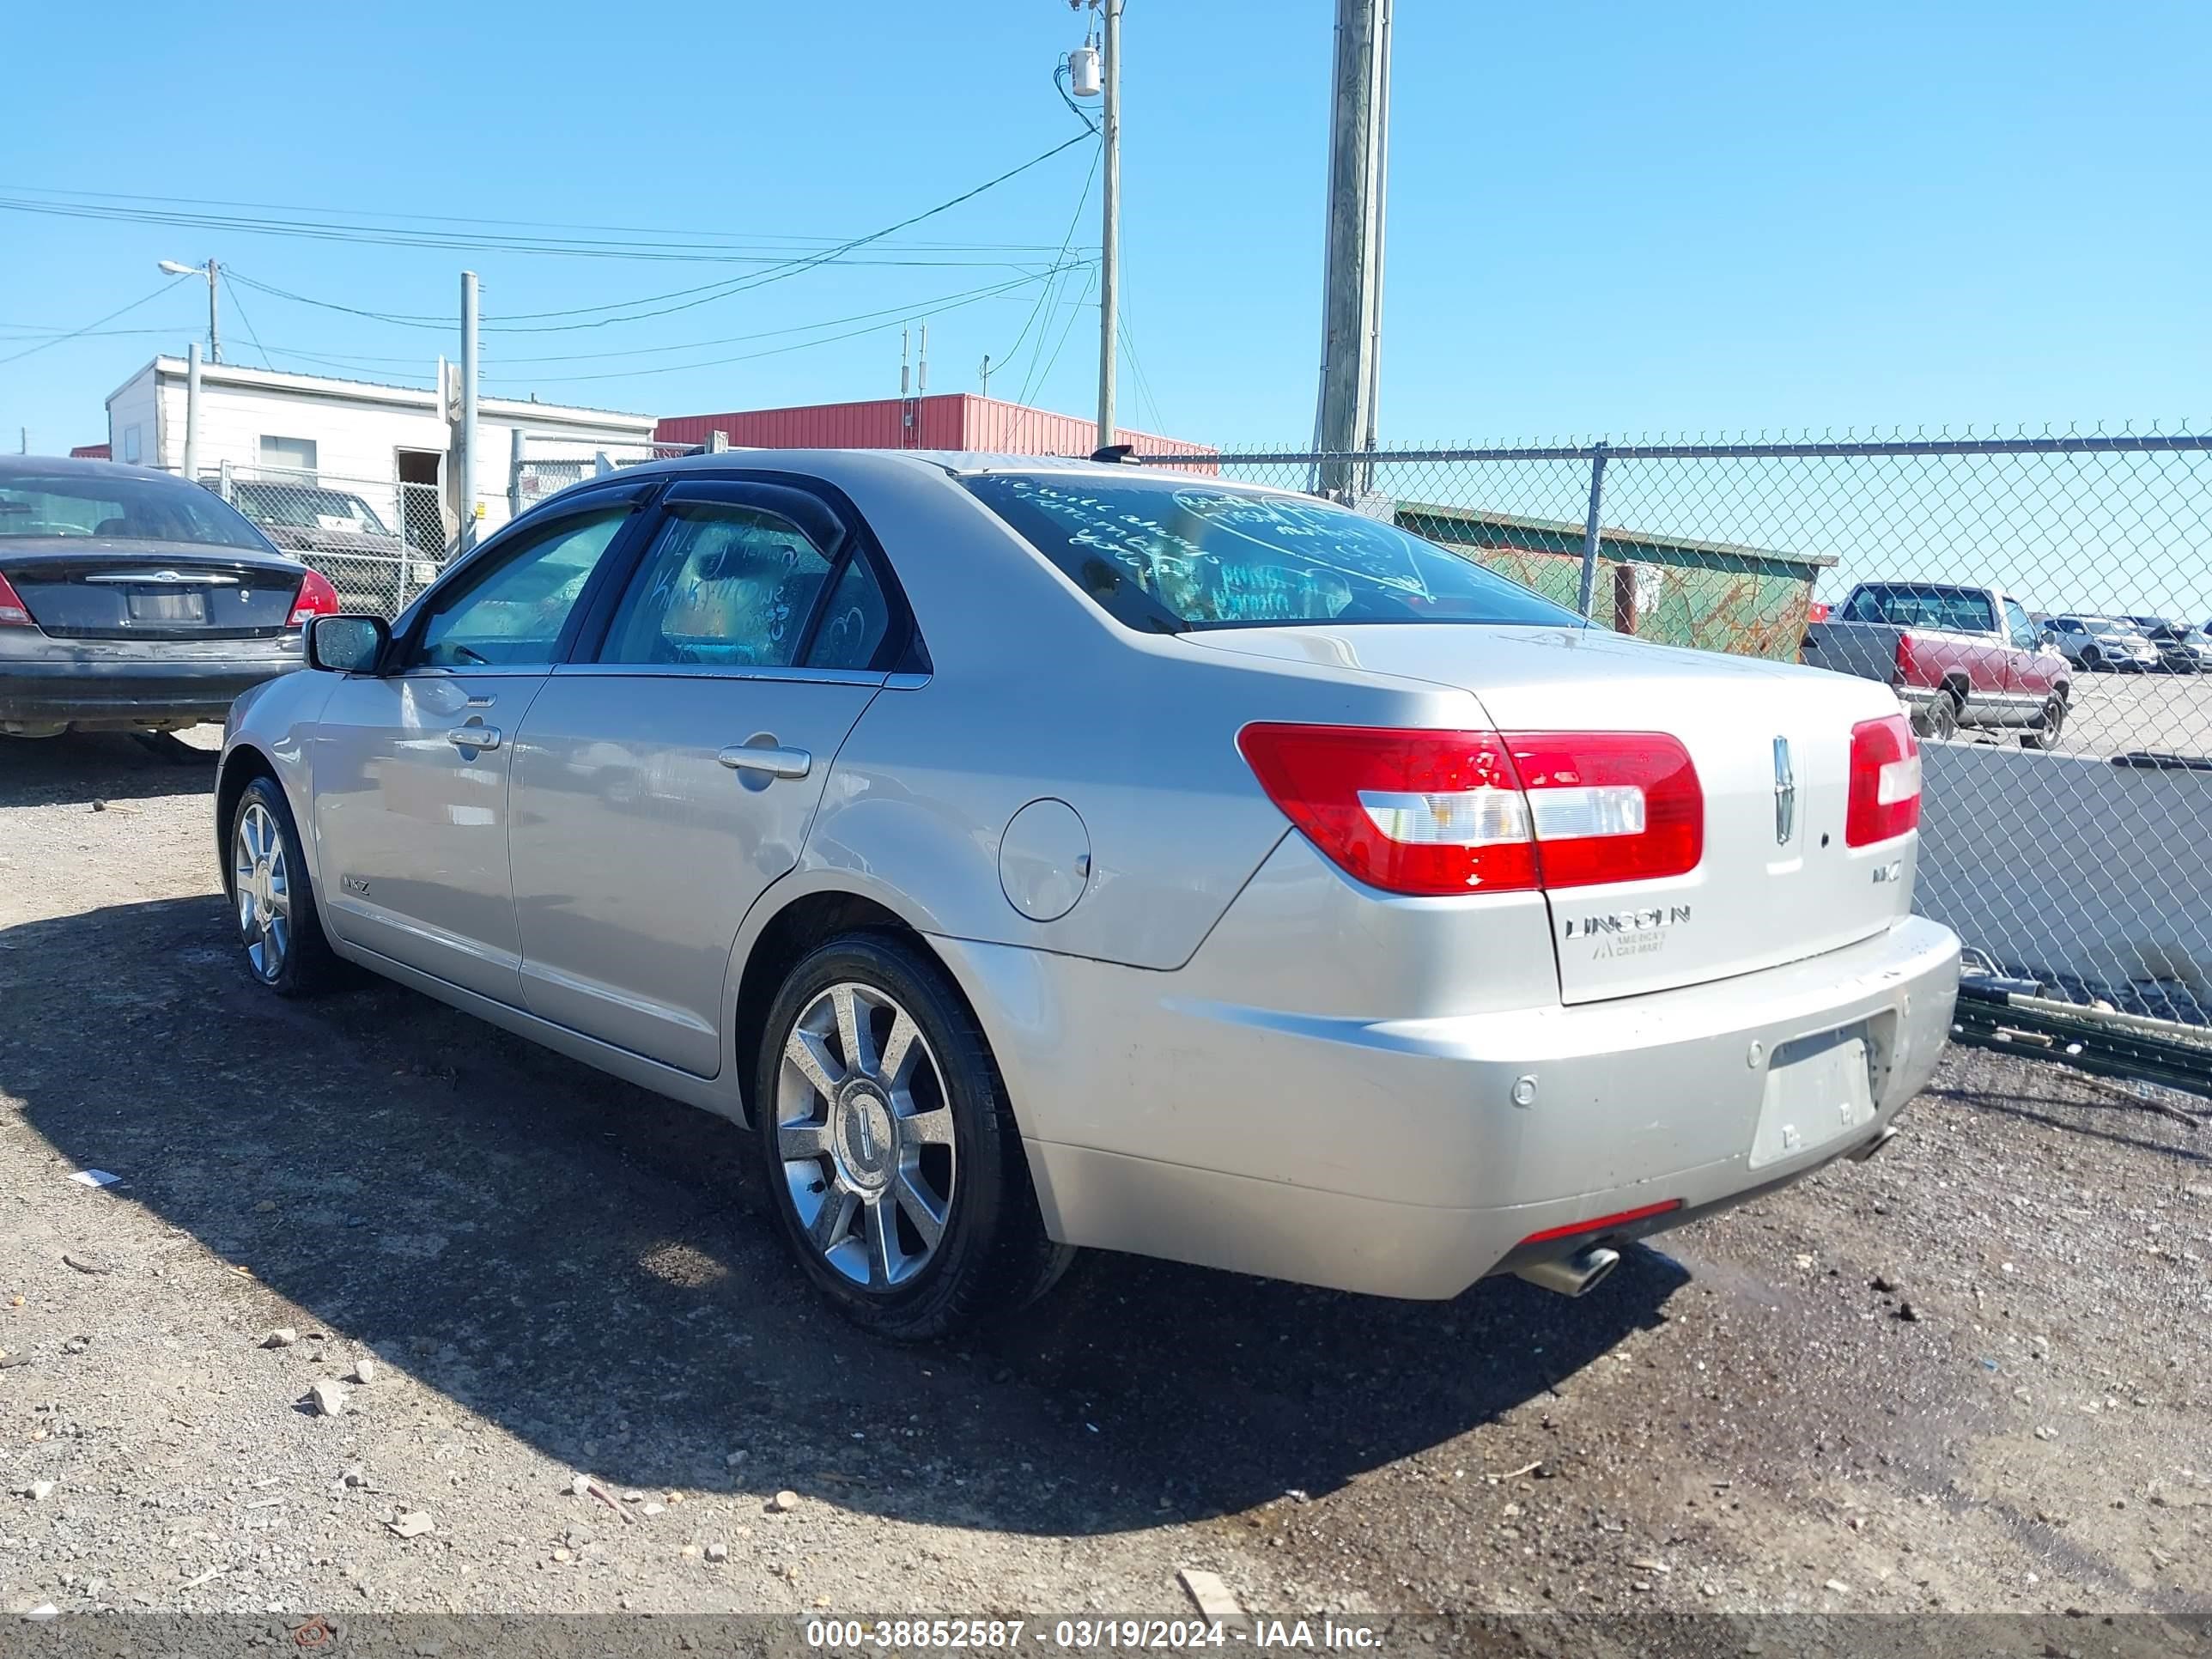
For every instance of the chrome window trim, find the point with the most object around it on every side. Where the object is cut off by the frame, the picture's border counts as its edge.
(651, 671)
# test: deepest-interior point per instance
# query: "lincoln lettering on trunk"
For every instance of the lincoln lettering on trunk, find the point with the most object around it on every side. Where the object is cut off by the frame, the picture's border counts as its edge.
(1626, 921)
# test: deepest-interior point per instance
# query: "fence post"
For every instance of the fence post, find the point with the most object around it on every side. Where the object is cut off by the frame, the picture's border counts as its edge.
(1588, 593)
(223, 472)
(514, 472)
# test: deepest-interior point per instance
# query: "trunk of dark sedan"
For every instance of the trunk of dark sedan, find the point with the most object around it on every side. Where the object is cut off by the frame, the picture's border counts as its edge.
(78, 588)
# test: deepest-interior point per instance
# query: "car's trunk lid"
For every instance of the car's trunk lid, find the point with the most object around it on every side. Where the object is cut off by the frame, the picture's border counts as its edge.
(107, 588)
(1776, 881)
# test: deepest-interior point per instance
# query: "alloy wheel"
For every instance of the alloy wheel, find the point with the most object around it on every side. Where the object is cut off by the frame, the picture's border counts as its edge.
(261, 879)
(865, 1133)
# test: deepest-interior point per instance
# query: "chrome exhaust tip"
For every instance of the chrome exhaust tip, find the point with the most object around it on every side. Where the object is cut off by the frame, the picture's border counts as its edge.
(1572, 1275)
(1888, 1132)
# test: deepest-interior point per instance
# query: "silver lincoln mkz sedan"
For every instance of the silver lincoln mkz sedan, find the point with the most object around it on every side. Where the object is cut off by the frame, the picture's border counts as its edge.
(1042, 854)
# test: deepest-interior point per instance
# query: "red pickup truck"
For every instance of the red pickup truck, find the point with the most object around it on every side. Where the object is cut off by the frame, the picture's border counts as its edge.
(1955, 655)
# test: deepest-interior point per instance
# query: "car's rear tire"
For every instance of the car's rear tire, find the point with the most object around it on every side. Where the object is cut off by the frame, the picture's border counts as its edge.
(2045, 736)
(272, 899)
(893, 1162)
(1937, 719)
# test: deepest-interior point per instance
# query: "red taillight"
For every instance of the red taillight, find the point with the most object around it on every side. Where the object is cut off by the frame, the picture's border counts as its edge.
(1621, 1219)
(1611, 805)
(1407, 811)
(1885, 794)
(1415, 811)
(13, 613)
(1904, 658)
(317, 599)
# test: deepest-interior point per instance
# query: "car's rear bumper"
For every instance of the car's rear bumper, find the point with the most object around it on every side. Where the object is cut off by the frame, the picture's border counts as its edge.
(91, 684)
(1393, 1157)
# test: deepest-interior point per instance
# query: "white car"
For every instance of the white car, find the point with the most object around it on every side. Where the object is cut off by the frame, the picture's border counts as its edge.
(1039, 855)
(2102, 643)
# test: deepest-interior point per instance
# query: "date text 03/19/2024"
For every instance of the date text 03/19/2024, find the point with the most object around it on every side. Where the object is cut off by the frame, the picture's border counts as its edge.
(1087, 1635)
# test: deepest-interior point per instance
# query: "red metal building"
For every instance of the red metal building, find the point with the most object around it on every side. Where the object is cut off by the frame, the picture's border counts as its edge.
(952, 420)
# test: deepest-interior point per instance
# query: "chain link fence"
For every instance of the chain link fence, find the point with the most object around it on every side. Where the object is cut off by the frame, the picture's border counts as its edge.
(379, 541)
(2041, 603)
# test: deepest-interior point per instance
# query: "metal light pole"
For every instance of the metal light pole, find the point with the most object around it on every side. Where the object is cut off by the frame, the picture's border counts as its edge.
(1352, 302)
(1110, 252)
(210, 270)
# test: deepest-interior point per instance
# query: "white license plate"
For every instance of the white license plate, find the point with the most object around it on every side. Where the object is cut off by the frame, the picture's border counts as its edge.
(161, 604)
(1818, 1090)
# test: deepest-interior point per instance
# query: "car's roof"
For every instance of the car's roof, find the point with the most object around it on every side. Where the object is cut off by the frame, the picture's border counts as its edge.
(834, 464)
(70, 466)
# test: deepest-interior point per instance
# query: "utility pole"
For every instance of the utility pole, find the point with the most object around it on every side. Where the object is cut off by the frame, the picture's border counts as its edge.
(1351, 306)
(985, 372)
(1109, 251)
(191, 466)
(469, 369)
(212, 272)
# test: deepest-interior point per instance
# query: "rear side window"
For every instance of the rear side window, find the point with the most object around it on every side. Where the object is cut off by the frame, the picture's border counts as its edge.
(724, 586)
(1168, 554)
(854, 622)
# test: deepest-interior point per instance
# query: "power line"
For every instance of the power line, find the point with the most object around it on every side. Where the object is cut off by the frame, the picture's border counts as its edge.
(95, 323)
(713, 241)
(909, 310)
(1073, 311)
(792, 268)
(897, 316)
(240, 306)
(1066, 242)
(527, 322)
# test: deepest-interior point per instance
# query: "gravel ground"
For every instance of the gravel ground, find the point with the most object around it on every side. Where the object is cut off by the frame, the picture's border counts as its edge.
(1970, 1375)
(2120, 714)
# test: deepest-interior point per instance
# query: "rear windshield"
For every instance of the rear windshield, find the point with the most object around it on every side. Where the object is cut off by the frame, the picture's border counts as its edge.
(1166, 555)
(139, 509)
(1960, 610)
(305, 509)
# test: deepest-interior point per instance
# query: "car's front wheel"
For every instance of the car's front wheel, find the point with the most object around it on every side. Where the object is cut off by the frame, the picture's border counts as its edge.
(893, 1162)
(272, 898)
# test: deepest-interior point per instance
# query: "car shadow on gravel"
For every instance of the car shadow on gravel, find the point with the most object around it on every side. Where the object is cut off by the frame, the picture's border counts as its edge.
(81, 768)
(586, 1267)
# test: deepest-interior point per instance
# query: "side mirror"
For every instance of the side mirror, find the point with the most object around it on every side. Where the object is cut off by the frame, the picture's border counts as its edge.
(347, 645)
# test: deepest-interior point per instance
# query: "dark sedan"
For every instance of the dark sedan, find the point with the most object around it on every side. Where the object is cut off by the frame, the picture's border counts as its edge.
(133, 601)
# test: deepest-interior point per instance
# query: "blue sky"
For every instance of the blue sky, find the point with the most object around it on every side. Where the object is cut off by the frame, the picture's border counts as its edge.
(1603, 219)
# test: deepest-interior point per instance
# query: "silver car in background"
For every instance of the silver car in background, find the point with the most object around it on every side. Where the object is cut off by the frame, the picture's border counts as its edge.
(1044, 854)
(2107, 643)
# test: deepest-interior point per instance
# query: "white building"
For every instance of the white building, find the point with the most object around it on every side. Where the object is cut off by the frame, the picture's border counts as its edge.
(387, 445)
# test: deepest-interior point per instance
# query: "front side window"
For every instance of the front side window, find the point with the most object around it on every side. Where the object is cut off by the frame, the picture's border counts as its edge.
(724, 586)
(1168, 554)
(2023, 630)
(133, 509)
(512, 615)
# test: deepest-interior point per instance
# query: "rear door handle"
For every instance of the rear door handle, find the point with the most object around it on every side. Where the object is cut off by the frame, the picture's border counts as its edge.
(776, 762)
(474, 737)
